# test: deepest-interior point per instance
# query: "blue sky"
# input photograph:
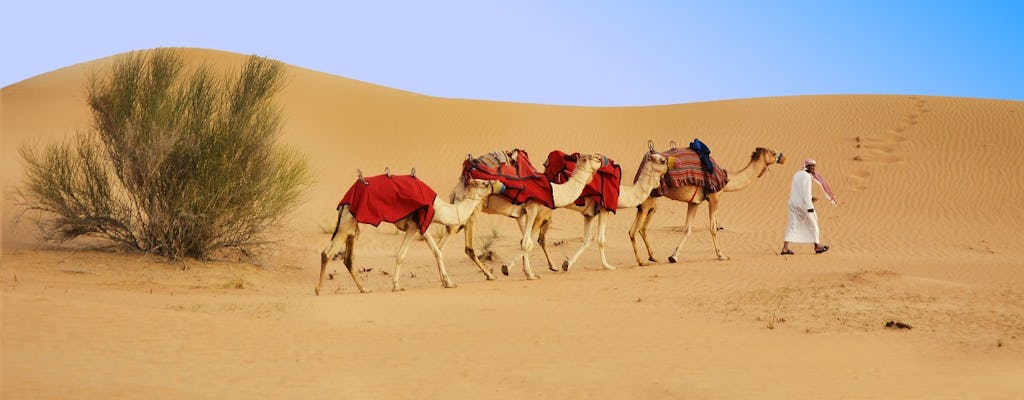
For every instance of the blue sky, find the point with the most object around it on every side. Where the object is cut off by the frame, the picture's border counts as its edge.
(601, 53)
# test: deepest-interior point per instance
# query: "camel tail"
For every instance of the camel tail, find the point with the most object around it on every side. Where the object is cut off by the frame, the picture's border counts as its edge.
(337, 224)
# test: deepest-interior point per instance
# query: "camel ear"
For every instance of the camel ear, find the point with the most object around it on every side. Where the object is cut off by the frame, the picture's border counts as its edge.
(469, 156)
(413, 173)
(650, 145)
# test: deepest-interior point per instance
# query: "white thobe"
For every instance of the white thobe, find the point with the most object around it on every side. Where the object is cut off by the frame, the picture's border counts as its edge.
(803, 225)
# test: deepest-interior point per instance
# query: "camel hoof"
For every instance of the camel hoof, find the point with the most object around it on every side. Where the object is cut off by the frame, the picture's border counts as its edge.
(317, 290)
(532, 277)
(609, 267)
(504, 269)
(652, 259)
(565, 265)
(672, 259)
(723, 258)
(365, 291)
(553, 269)
(491, 277)
(450, 285)
(641, 264)
(398, 289)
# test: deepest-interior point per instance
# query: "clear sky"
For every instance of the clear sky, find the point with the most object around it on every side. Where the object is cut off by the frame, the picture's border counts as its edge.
(601, 53)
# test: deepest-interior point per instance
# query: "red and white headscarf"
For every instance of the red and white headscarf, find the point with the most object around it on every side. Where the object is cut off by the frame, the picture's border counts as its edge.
(821, 182)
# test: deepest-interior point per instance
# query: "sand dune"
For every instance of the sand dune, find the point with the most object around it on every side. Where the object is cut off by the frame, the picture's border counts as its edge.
(927, 233)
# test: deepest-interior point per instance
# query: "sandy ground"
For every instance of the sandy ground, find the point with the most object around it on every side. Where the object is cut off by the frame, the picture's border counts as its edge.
(927, 233)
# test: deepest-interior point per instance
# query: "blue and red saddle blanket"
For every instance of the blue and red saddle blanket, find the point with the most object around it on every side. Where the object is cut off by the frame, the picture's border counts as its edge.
(693, 166)
(522, 181)
(390, 198)
(603, 187)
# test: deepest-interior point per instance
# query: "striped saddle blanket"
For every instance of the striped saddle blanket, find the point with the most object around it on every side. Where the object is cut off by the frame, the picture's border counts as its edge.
(688, 171)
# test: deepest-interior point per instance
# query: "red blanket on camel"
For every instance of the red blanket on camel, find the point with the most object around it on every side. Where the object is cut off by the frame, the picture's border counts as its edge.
(687, 170)
(522, 181)
(390, 198)
(603, 187)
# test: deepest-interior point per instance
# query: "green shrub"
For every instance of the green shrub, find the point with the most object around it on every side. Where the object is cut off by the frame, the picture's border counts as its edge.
(178, 162)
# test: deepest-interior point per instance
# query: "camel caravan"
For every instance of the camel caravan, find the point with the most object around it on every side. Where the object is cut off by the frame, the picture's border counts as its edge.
(506, 183)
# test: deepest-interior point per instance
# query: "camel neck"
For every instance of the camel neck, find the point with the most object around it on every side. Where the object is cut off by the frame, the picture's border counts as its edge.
(454, 214)
(746, 176)
(565, 193)
(632, 196)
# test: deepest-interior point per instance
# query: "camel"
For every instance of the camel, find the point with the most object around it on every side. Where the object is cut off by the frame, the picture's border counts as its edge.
(649, 176)
(527, 213)
(451, 216)
(693, 196)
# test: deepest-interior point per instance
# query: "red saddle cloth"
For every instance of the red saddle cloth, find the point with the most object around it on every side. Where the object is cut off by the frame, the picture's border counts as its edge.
(687, 171)
(390, 198)
(522, 181)
(603, 187)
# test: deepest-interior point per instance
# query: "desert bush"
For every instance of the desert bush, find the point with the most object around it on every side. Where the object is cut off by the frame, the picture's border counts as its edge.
(178, 162)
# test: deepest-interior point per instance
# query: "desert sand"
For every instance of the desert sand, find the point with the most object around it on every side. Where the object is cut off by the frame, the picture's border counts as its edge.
(927, 233)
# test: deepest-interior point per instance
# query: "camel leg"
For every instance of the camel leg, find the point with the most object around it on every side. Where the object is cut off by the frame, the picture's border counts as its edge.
(521, 221)
(346, 230)
(411, 230)
(439, 257)
(350, 248)
(713, 216)
(644, 211)
(449, 230)
(542, 233)
(691, 210)
(470, 228)
(602, 225)
(526, 244)
(333, 248)
(634, 229)
(643, 234)
(588, 235)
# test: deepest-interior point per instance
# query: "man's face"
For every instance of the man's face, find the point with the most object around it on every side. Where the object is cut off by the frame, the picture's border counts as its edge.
(810, 168)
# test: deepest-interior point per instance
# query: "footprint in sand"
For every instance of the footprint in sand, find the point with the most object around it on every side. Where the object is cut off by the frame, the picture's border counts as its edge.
(884, 148)
(877, 150)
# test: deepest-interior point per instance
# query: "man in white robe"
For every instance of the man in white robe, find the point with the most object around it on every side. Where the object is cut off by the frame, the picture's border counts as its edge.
(803, 221)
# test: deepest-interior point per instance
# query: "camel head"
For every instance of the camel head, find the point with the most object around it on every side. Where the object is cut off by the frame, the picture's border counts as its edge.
(477, 189)
(767, 157)
(591, 162)
(658, 163)
(654, 165)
